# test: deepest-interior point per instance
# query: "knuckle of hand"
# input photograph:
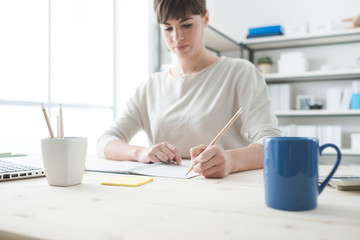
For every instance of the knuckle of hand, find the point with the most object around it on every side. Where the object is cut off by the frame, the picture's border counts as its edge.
(192, 150)
(201, 167)
(203, 157)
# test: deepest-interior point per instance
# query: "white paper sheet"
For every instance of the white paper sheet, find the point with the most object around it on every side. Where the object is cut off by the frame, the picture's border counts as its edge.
(155, 169)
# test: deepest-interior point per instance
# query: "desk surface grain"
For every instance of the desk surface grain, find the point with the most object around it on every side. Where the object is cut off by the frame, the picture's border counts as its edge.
(230, 208)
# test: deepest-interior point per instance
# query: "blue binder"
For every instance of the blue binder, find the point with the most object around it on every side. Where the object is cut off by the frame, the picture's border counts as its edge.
(264, 35)
(266, 30)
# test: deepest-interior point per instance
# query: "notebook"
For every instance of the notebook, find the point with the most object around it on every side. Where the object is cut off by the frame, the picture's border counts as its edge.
(169, 170)
(344, 182)
(12, 168)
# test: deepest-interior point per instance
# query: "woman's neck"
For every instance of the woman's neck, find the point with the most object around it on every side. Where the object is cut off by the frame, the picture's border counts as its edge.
(193, 65)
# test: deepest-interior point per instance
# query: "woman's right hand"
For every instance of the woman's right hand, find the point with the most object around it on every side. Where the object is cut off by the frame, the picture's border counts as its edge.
(162, 152)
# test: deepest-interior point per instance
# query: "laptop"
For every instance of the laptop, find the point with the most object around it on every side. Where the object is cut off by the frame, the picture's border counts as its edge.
(13, 168)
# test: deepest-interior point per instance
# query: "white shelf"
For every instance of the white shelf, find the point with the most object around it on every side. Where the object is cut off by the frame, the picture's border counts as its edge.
(310, 113)
(344, 151)
(267, 43)
(346, 74)
(217, 41)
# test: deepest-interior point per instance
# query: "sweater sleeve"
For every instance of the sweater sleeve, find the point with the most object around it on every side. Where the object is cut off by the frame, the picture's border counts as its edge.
(128, 123)
(259, 118)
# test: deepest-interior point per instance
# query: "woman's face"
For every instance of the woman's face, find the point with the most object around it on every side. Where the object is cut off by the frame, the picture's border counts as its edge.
(185, 37)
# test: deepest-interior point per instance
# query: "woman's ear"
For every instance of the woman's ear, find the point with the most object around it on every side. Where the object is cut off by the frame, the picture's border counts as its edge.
(206, 19)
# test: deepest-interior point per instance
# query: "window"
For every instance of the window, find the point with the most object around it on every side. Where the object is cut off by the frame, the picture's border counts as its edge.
(88, 55)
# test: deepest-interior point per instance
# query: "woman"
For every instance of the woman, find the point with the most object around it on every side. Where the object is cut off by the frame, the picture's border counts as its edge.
(185, 107)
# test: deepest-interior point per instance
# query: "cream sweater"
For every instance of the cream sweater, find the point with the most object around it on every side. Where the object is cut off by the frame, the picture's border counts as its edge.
(192, 109)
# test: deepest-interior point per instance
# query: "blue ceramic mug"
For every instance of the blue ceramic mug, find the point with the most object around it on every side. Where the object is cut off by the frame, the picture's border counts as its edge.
(291, 172)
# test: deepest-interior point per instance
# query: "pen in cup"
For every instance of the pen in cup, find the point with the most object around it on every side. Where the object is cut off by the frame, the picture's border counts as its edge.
(47, 120)
(232, 120)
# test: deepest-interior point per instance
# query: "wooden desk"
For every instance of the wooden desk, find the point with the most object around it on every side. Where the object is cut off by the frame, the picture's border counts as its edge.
(198, 208)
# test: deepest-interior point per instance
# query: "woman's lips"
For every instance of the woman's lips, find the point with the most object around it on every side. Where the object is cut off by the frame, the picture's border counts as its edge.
(181, 47)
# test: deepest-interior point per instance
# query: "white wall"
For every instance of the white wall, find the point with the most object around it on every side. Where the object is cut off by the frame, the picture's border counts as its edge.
(234, 17)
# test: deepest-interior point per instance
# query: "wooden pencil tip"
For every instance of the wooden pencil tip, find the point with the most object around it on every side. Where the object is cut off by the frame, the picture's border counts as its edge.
(189, 170)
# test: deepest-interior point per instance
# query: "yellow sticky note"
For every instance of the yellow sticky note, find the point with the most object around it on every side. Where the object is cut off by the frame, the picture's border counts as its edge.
(128, 181)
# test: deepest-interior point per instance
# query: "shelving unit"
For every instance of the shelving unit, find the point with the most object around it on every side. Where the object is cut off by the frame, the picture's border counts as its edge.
(307, 40)
(281, 42)
(315, 117)
(351, 74)
(218, 42)
(344, 152)
(320, 113)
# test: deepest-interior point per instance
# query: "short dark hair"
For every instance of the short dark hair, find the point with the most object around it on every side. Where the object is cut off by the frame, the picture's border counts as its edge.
(178, 9)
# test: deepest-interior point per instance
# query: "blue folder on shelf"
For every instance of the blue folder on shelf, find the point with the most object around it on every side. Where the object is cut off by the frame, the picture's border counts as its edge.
(264, 35)
(265, 30)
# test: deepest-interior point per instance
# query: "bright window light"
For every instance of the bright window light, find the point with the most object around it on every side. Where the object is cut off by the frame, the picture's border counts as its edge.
(98, 56)
(82, 54)
(22, 128)
(23, 50)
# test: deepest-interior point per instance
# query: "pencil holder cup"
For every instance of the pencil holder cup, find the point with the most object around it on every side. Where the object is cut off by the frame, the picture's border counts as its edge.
(64, 160)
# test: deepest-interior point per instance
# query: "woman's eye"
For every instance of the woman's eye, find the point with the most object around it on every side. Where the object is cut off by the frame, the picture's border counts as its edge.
(168, 29)
(187, 25)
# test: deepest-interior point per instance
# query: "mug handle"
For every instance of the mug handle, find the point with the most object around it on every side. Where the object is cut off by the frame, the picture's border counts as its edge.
(326, 181)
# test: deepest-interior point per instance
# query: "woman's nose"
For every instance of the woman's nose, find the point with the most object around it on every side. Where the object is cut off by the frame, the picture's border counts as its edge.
(177, 35)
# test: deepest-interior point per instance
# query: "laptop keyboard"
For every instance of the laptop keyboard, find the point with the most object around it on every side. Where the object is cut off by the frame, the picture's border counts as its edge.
(8, 167)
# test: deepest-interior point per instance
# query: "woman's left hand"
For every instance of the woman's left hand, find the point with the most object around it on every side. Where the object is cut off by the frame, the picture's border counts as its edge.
(212, 163)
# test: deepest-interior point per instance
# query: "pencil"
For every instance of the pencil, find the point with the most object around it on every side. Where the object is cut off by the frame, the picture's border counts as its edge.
(58, 126)
(47, 120)
(61, 122)
(232, 120)
(5, 153)
(347, 19)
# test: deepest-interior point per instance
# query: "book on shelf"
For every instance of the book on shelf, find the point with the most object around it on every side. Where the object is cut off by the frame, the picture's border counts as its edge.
(263, 35)
(306, 131)
(266, 30)
(338, 98)
(280, 96)
(325, 133)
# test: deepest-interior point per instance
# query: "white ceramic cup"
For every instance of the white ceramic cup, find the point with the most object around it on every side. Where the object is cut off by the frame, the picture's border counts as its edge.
(64, 160)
